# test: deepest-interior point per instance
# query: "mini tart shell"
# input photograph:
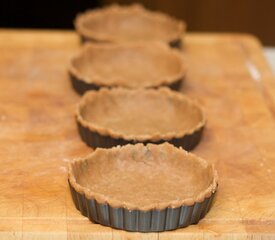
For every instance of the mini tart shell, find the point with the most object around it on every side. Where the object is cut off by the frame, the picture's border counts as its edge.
(98, 136)
(174, 39)
(151, 218)
(82, 83)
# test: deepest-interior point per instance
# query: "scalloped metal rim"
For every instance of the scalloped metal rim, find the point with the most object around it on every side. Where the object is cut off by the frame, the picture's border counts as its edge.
(80, 86)
(94, 139)
(141, 221)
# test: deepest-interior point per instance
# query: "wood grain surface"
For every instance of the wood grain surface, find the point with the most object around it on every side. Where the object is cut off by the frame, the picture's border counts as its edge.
(227, 74)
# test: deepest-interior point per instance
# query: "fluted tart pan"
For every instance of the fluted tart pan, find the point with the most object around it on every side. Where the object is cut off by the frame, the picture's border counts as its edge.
(128, 65)
(141, 188)
(118, 116)
(132, 23)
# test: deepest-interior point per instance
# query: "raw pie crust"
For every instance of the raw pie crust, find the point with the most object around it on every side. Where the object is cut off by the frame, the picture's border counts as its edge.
(148, 179)
(118, 116)
(129, 23)
(130, 65)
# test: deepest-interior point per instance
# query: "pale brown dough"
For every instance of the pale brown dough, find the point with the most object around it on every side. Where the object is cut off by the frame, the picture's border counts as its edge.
(140, 114)
(144, 177)
(128, 23)
(131, 65)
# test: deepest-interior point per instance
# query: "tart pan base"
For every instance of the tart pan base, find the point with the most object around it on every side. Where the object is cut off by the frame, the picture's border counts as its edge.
(141, 221)
(95, 140)
(81, 86)
(177, 43)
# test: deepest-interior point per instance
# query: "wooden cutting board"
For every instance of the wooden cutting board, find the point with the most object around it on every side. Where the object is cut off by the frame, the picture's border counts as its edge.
(227, 74)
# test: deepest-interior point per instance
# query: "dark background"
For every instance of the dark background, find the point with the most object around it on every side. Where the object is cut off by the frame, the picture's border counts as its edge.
(42, 13)
(250, 16)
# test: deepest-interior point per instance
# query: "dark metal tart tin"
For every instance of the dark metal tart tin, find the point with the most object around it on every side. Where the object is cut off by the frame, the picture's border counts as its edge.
(94, 139)
(177, 43)
(80, 86)
(141, 221)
